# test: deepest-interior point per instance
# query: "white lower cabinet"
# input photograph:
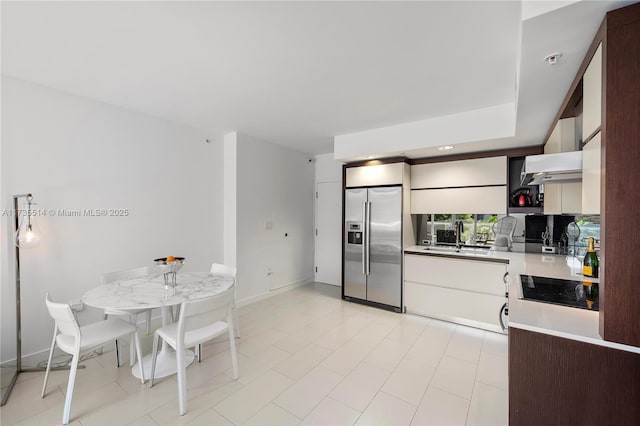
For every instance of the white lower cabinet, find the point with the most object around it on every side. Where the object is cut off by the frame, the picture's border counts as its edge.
(459, 290)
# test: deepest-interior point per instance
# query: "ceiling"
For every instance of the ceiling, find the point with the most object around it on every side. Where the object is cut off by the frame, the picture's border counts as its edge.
(300, 73)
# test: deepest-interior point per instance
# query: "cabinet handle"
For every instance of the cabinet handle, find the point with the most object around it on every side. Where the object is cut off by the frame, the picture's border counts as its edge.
(504, 277)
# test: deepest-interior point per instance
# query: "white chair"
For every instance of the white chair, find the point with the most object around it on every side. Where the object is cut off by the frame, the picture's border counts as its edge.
(200, 320)
(73, 339)
(217, 268)
(131, 315)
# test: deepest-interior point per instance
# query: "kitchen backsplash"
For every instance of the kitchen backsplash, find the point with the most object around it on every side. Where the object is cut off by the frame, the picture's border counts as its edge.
(527, 235)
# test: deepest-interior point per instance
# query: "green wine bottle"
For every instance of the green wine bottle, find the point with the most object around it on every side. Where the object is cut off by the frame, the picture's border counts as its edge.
(591, 263)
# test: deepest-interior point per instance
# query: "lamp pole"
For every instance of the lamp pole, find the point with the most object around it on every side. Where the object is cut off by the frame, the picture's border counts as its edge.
(19, 368)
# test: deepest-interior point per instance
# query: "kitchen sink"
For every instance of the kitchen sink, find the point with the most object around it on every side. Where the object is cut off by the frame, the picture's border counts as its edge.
(476, 250)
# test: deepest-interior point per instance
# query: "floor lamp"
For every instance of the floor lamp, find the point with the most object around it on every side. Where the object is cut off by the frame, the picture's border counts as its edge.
(26, 236)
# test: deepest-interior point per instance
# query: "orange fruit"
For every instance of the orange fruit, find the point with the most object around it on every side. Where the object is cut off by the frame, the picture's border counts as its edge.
(171, 259)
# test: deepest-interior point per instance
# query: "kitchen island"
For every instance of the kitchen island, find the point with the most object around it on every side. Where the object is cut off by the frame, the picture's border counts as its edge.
(561, 371)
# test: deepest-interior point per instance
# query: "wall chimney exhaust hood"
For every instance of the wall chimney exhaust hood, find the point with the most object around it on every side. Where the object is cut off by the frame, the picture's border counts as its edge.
(562, 167)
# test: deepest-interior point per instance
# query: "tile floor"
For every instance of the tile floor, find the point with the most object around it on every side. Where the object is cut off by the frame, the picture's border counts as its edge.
(305, 357)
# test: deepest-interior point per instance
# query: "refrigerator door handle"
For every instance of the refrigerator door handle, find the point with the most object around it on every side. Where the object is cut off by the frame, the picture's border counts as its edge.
(367, 234)
(364, 238)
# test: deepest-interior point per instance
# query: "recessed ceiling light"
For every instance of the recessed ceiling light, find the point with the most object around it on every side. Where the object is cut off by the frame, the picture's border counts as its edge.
(552, 58)
(369, 157)
(445, 148)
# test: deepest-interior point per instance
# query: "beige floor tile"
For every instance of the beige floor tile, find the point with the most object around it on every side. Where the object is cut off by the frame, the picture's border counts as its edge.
(346, 357)
(272, 415)
(427, 351)
(299, 339)
(336, 337)
(143, 421)
(387, 354)
(386, 410)
(331, 412)
(168, 414)
(496, 344)
(245, 403)
(82, 405)
(489, 406)
(439, 330)
(374, 333)
(254, 344)
(252, 367)
(440, 408)
(465, 345)
(409, 330)
(300, 351)
(409, 381)
(493, 370)
(307, 392)
(209, 418)
(300, 363)
(455, 376)
(360, 387)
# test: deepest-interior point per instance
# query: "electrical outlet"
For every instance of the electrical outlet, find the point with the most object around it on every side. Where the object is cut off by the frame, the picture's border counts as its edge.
(76, 305)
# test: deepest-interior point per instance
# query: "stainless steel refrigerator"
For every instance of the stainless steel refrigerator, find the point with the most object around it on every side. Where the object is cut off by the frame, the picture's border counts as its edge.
(373, 246)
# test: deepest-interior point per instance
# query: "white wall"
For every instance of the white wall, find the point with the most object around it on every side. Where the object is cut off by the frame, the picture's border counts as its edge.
(74, 153)
(275, 185)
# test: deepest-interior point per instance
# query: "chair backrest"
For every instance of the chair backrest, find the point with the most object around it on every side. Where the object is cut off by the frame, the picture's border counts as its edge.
(129, 274)
(198, 313)
(217, 268)
(63, 315)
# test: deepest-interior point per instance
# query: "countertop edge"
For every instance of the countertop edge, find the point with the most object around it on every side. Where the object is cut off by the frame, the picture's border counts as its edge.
(576, 337)
(422, 252)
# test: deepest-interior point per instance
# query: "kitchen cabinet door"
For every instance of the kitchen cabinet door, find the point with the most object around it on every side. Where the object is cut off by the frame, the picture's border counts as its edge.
(381, 174)
(563, 198)
(591, 176)
(482, 200)
(592, 95)
(459, 173)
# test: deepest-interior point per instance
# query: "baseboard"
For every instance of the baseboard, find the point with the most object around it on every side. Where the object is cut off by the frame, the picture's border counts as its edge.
(274, 291)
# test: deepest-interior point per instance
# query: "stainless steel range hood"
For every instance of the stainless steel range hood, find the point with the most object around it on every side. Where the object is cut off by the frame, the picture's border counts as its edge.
(552, 168)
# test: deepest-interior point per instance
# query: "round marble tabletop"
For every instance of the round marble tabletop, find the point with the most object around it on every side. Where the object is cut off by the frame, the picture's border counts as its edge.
(151, 292)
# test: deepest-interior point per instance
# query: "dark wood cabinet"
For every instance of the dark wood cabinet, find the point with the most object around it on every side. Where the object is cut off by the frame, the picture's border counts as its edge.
(556, 381)
(619, 132)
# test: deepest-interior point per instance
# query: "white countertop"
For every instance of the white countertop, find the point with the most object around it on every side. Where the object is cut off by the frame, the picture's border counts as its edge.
(561, 321)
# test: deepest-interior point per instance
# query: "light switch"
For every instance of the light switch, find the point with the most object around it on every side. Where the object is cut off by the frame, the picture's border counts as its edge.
(268, 224)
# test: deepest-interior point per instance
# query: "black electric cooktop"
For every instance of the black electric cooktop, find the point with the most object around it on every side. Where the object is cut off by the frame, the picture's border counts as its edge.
(576, 294)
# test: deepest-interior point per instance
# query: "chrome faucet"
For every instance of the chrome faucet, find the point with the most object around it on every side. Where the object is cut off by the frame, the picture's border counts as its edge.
(459, 229)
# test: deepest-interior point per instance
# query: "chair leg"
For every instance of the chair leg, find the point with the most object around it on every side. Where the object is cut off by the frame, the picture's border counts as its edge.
(72, 380)
(182, 380)
(232, 347)
(235, 321)
(117, 354)
(199, 352)
(46, 375)
(136, 338)
(133, 319)
(154, 355)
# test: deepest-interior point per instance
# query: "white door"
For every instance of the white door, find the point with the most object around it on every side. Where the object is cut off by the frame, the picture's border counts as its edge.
(329, 233)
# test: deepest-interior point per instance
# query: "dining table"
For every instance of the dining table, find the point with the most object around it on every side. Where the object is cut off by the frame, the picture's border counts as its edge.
(158, 291)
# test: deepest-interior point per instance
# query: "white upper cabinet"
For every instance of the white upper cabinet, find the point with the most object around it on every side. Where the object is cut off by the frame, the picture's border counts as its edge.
(562, 198)
(382, 174)
(460, 173)
(592, 95)
(563, 137)
(470, 200)
(591, 176)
